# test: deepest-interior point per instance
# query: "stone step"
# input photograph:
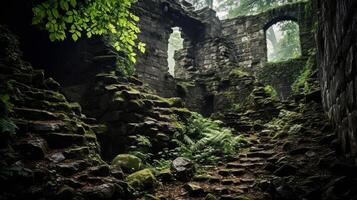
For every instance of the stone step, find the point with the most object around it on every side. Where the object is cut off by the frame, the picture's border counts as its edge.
(206, 178)
(231, 172)
(34, 114)
(230, 181)
(62, 140)
(79, 152)
(26, 126)
(247, 180)
(231, 197)
(255, 149)
(71, 167)
(262, 154)
(250, 160)
(266, 146)
(244, 165)
(227, 190)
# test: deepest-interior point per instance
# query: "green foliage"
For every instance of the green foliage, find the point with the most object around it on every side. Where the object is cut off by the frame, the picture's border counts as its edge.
(162, 164)
(143, 141)
(287, 71)
(301, 83)
(236, 8)
(199, 4)
(237, 73)
(284, 124)
(7, 126)
(63, 18)
(205, 141)
(271, 91)
(6, 105)
(288, 45)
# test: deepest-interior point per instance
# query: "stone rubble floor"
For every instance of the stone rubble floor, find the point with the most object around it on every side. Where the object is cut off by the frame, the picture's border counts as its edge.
(293, 167)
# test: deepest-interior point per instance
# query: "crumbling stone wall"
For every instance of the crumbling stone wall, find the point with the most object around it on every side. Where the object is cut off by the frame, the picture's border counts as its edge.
(248, 33)
(157, 18)
(337, 57)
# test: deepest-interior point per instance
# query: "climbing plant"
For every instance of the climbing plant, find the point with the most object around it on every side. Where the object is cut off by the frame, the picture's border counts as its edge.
(75, 18)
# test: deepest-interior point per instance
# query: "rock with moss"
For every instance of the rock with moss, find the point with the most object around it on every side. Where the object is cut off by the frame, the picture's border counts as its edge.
(129, 163)
(142, 180)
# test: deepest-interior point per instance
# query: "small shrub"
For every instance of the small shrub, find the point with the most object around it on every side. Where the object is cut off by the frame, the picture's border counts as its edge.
(205, 141)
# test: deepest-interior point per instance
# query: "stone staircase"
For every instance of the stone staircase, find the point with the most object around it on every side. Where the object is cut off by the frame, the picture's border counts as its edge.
(54, 153)
(293, 166)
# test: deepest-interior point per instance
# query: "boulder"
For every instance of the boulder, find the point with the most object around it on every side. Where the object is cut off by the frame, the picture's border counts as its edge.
(57, 157)
(142, 179)
(128, 163)
(104, 191)
(194, 190)
(33, 149)
(183, 168)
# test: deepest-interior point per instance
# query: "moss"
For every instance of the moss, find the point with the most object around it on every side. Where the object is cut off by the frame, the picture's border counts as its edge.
(271, 91)
(301, 83)
(229, 94)
(237, 73)
(143, 179)
(54, 96)
(175, 102)
(182, 88)
(275, 73)
(183, 113)
(127, 162)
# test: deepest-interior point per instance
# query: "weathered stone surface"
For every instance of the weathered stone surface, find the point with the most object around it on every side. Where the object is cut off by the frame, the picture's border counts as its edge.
(129, 163)
(183, 168)
(194, 190)
(336, 58)
(53, 153)
(141, 180)
(33, 149)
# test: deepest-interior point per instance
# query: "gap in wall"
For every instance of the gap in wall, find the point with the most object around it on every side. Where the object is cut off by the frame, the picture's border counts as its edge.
(175, 43)
(283, 41)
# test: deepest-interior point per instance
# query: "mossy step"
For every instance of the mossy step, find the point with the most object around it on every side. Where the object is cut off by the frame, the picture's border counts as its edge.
(78, 152)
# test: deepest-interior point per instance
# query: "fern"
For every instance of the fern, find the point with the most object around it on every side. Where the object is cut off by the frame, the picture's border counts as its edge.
(205, 139)
(7, 126)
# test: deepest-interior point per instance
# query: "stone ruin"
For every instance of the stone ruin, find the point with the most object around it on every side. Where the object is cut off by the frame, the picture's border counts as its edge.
(212, 49)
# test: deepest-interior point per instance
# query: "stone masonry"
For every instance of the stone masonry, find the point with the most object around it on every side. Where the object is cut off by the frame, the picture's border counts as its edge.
(337, 57)
(211, 50)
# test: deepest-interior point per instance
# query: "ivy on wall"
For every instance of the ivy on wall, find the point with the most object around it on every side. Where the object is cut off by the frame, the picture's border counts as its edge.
(281, 73)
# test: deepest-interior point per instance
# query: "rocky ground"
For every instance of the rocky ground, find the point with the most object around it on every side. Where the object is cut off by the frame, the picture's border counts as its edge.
(290, 157)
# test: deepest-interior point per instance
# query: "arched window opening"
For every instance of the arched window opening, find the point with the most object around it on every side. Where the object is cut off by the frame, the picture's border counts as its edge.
(283, 41)
(175, 43)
